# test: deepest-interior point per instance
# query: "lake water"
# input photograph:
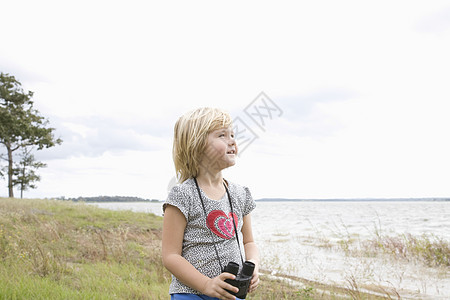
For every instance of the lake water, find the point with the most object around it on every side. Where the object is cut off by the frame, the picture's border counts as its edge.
(308, 240)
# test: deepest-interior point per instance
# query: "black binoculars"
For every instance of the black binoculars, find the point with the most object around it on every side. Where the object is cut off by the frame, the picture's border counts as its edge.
(242, 281)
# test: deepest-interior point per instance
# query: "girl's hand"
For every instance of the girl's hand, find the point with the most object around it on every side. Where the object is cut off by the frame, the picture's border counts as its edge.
(254, 281)
(215, 287)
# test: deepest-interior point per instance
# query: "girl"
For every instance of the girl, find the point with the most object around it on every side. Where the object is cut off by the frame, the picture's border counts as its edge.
(199, 237)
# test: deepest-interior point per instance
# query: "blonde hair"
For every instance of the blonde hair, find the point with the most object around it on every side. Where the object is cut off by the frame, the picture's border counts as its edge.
(190, 137)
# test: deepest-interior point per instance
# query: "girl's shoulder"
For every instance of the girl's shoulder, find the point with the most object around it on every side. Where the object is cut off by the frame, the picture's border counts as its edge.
(241, 194)
(187, 184)
(237, 188)
(181, 196)
(186, 187)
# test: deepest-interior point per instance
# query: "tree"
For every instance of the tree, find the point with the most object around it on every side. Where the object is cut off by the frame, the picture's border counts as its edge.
(21, 125)
(24, 171)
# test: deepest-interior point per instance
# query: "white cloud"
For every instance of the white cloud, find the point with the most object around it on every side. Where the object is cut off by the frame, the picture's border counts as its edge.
(94, 136)
(437, 21)
(362, 86)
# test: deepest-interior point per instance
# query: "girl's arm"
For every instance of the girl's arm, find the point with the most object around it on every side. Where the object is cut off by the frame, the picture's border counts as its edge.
(172, 240)
(251, 250)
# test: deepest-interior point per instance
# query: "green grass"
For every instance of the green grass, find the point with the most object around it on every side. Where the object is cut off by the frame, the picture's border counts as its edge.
(426, 249)
(430, 250)
(53, 249)
(63, 250)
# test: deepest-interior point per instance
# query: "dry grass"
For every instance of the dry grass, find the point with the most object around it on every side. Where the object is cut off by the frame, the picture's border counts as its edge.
(280, 286)
(50, 244)
(427, 249)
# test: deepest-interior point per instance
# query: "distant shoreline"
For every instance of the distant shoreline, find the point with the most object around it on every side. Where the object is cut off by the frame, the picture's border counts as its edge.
(109, 199)
(136, 199)
(356, 200)
(314, 200)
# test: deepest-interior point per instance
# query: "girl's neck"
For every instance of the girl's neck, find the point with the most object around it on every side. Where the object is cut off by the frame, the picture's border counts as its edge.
(210, 180)
(212, 185)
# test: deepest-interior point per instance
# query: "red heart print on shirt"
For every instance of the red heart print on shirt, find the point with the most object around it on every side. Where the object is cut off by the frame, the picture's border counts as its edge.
(221, 224)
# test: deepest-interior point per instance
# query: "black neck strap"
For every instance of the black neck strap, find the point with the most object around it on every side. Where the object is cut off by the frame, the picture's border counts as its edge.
(232, 218)
(234, 224)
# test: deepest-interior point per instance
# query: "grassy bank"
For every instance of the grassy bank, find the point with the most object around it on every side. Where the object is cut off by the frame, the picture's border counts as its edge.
(52, 249)
(62, 250)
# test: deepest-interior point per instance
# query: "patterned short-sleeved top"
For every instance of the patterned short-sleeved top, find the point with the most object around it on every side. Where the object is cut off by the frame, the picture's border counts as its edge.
(203, 231)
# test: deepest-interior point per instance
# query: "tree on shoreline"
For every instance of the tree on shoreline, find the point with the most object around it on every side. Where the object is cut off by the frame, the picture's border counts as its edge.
(24, 171)
(21, 127)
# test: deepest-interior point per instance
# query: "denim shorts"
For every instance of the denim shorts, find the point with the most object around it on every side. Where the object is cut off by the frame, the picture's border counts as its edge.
(192, 297)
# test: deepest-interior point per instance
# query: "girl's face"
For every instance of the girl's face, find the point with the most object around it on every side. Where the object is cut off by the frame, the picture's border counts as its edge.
(221, 150)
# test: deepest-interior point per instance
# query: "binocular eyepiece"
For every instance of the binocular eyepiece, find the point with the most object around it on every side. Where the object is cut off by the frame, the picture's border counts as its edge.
(242, 281)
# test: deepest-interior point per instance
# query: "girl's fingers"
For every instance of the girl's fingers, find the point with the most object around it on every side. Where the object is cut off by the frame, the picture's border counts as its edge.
(254, 284)
(226, 285)
(220, 287)
(225, 295)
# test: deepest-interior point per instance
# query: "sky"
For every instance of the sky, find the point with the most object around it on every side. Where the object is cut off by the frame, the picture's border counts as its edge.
(339, 99)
